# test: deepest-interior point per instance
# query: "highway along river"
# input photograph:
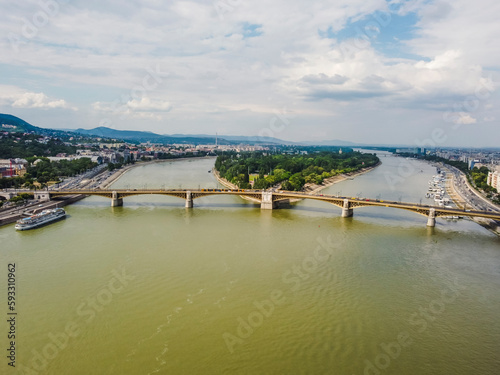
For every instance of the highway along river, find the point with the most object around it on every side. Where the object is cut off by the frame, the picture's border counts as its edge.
(223, 288)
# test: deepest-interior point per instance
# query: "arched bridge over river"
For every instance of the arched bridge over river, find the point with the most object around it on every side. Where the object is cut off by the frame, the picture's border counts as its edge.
(271, 199)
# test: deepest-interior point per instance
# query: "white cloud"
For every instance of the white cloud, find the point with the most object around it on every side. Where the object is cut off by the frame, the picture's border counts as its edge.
(464, 119)
(328, 74)
(216, 73)
(18, 98)
(38, 100)
(471, 27)
(144, 108)
(147, 104)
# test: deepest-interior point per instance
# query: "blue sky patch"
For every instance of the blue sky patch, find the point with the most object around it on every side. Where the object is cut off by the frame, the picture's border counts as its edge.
(386, 32)
(251, 30)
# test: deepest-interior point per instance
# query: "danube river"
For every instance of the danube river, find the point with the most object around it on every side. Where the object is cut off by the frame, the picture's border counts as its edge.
(223, 288)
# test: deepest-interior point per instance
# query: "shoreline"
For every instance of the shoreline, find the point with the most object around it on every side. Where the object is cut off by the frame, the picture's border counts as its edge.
(229, 185)
(309, 189)
(458, 200)
(17, 213)
(314, 189)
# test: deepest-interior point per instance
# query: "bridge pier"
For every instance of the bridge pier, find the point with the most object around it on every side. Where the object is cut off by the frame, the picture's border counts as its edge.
(43, 196)
(189, 200)
(7, 195)
(347, 211)
(116, 200)
(267, 201)
(431, 221)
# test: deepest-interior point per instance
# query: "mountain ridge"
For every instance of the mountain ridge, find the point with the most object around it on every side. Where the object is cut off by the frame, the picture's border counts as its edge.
(139, 136)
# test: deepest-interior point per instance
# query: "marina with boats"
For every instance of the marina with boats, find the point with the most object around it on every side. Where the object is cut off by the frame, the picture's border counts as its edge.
(437, 192)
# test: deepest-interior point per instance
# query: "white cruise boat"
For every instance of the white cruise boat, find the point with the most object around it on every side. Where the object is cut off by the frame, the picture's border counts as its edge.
(44, 217)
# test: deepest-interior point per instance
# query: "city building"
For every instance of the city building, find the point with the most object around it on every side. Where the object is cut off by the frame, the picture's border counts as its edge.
(13, 167)
(493, 179)
(472, 163)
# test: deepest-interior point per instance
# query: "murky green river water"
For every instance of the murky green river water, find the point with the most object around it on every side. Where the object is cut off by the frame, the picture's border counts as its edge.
(223, 288)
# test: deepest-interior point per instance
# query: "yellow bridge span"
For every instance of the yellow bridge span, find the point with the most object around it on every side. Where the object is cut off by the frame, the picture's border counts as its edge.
(271, 200)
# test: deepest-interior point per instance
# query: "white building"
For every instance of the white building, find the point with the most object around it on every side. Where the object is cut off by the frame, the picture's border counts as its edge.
(494, 179)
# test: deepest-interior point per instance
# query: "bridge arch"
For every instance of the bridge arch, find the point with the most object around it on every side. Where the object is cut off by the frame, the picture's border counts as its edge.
(270, 199)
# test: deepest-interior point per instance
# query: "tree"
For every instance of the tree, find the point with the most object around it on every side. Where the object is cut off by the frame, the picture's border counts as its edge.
(26, 196)
(260, 183)
(297, 182)
(291, 170)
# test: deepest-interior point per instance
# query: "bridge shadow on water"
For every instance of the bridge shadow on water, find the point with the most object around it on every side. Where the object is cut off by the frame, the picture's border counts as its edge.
(227, 205)
(368, 212)
(377, 216)
(180, 204)
(312, 209)
(366, 220)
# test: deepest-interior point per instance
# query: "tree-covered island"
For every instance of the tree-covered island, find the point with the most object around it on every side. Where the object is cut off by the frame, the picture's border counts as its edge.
(289, 172)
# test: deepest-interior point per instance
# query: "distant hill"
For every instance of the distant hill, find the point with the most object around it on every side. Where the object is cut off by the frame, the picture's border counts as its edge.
(144, 136)
(12, 123)
(15, 124)
(333, 142)
(240, 139)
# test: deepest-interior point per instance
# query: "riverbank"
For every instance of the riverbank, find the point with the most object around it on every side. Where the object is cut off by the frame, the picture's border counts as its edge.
(25, 211)
(453, 192)
(15, 214)
(314, 189)
(229, 185)
(115, 176)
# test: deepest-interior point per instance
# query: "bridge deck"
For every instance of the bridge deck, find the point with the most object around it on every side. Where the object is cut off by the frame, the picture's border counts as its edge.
(282, 195)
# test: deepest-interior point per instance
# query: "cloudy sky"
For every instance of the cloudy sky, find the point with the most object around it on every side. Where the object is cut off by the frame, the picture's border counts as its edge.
(416, 72)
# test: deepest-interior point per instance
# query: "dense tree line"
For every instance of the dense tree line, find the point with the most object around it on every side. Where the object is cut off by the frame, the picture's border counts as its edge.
(480, 178)
(291, 171)
(19, 145)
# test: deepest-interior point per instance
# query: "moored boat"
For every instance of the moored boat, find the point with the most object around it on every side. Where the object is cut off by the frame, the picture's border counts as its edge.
(44, 217)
